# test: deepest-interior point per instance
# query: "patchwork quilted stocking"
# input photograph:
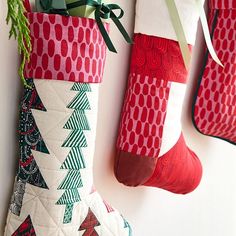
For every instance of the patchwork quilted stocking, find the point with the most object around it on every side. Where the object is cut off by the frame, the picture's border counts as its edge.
(214, 110)
(54, 193)
(151, 149)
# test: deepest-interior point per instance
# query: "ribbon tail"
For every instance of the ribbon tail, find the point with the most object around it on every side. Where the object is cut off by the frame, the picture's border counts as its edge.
(206, 33)
(179, 30)
(104, 33)
(121, 28)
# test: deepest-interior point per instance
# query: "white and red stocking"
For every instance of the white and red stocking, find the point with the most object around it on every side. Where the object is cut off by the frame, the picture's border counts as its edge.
(54, 193)
(214, 108)
(151, 149)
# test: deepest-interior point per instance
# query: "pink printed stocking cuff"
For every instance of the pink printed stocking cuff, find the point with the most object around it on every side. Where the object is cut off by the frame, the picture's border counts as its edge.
(65, 48)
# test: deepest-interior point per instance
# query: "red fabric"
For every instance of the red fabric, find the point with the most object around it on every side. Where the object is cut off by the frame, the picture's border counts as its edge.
(65, 48)
(25, 229)
(158, 58)
(89, 224)
(155, 63)
(178, 171)
(215, 104)
(222, 4)
(143, 115)
(27, 5)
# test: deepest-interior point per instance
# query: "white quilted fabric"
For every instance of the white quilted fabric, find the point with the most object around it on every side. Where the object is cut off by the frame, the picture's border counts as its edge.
(40, 204)
(172, 123)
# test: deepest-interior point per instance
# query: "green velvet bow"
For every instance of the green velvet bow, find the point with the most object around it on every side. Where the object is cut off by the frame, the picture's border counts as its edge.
(102, 11)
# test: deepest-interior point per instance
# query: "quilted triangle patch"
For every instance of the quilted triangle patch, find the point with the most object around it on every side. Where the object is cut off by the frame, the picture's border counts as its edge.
(80, 102)
(72, 180)
(25, 229)
(74, 160)
(76, 140)
(81, 87)
(78, 120)
(69, 196)
(89, 224)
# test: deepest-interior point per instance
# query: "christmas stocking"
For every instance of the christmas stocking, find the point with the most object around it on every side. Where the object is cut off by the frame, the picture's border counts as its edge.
(151, 149)
(54, 193)
(214, 109)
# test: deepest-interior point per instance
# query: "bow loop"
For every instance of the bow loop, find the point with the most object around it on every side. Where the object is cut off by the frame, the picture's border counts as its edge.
(104, 11)
(114, 7)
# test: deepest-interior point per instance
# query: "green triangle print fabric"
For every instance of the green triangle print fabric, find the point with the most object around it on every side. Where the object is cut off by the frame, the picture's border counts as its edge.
(75, 160)
(80, 102)
(68, 212)
(76, 140)
(78, 120)
(70, 196)
(72, 181)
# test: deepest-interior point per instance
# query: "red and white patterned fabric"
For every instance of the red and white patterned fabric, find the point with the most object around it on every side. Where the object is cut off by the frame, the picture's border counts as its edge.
(65, 48)
(151, 150)
(214, 110)
(222, 4)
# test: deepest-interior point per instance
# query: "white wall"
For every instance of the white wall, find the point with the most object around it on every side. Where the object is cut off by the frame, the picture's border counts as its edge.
(210, 210)
(9, 96)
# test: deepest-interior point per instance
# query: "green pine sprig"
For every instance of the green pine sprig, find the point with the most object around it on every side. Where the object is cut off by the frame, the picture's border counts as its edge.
(20, 31)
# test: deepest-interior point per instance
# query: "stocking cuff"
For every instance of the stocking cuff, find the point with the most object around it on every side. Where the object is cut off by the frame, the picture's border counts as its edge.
(65, 48)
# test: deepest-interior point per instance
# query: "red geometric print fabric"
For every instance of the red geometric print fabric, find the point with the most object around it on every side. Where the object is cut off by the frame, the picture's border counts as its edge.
(158, 58)
(215, 105)
(65, 48)
(25, 229)
(143, 115)
(222, 4)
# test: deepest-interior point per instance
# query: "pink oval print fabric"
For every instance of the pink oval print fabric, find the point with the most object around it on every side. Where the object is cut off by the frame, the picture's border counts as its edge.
(65, 48)
(214, 111)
